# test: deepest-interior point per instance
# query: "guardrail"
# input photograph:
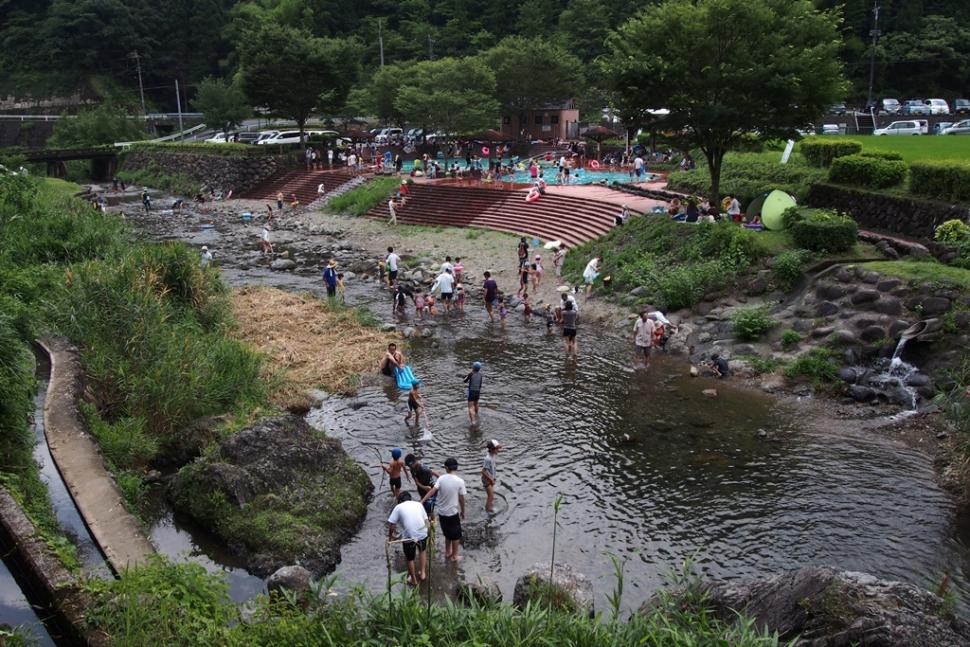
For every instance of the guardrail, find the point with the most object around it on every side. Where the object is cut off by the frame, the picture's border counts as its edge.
(149, 117)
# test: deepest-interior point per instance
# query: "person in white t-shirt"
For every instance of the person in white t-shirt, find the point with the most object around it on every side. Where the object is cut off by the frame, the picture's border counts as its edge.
(411, 519)
(446, 283)
(643, 336)
(391, 262)
(450, 490)
(638, 166)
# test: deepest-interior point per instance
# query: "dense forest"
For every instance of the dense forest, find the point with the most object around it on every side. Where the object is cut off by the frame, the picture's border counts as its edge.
(57, 46)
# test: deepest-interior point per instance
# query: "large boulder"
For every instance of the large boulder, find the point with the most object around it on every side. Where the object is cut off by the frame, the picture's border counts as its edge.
(826, 607)
(568, 590)
(289, 578)
(278, 493)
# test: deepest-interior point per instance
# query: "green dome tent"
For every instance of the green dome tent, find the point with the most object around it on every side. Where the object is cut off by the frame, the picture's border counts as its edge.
(769, 207)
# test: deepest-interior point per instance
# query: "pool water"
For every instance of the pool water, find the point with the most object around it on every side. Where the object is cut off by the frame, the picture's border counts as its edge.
(576, 176)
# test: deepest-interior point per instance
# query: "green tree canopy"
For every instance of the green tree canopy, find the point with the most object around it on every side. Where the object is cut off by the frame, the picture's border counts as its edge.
(99, 126)
(223, 105)
(451, 95)
(726, 69)
(533, 72)
(293, 74)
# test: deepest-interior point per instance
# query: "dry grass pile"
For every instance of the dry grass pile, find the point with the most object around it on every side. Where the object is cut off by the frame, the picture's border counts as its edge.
(308, 343)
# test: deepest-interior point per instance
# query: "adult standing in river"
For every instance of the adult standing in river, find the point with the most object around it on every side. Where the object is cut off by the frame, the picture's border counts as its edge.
(450, 490)
(569, 325)
(412, 519)
(446, 283)
(523, 252)
(490, 290)
(474, 382)
(391, 261)
(330, 278)
(643, 331)
(424, 480)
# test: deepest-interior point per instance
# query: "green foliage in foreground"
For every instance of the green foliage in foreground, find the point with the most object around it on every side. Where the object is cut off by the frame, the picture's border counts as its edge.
(817, 366)
(365, 197)
(676, 263)
(748, 175)
(163, 603)
(750, 324)
(873, 172)
(821, 230)
(158, 178)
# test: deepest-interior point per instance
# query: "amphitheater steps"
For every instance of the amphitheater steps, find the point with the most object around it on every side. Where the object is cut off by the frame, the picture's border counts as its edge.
(297, 181)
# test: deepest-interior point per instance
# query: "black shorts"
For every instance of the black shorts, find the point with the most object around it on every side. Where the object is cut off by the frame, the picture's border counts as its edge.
(411, 548)
(395, 481)
(387, 370)
(450, 527)
(331, 291)
(412, 406)
(446, 296)
(474, 395)
(392, 274)
(569, 333)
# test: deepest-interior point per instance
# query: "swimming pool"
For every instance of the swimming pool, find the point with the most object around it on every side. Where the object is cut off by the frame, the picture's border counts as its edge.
(576, 176)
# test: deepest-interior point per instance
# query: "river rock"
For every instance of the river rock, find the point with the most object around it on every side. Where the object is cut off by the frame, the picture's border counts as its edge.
(823, 331)
(291, 578)
(388, 327)
(745, 349)
(825, 607)
(408, 332)
(825, 309)
(871, 277)
(917, 379)
(864, 296)
(283, 264)
(873, 333)
(929, 305)
(962, 319)
(845, 275)
(829, 292)
(711, 393)
(861, 393)
(888, 305)
(276, 478)
(757, 286)
(639, 291)
(848, 374)
(481, 592)
(844, 336)
(888, 285)
(575, 588)
(897, 327)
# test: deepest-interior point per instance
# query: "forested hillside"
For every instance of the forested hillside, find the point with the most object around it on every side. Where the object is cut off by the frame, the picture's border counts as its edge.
(50, 46)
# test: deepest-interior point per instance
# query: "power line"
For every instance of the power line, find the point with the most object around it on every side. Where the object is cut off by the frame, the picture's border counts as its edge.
(141, 87)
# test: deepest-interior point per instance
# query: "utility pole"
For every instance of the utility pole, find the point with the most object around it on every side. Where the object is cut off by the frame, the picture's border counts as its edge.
(178, 104)
(430, 48)
(874, 32)
(380, 39)
(141, 86)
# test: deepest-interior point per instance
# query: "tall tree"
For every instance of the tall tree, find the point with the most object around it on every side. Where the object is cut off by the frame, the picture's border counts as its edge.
(293, 74)
(727, 68)
(533, 72)
(223, 105)
(101, 125)
(450, 95)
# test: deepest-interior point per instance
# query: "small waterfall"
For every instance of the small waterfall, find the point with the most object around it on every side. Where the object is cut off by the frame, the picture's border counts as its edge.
(893, 376)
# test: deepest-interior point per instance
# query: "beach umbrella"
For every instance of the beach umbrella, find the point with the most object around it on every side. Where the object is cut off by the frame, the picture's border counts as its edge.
(599, 134)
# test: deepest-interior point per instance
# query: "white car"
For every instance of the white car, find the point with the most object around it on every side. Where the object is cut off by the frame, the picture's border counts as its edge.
(831, 129)
(219, 138)
(388, 135)
(912, 127)
(286, 137)
(959, 128)
(938, 106)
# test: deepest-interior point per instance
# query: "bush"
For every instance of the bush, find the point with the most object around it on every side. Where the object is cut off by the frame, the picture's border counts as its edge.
(824, 231)
(952, 231)
(155, 176)
(790, 338)
(787, 267)
(229, 149)
(869, 172)
(747, 176)
(883, 155)
(752, 323)
(816, 365)
(821, 152)
(941, 179)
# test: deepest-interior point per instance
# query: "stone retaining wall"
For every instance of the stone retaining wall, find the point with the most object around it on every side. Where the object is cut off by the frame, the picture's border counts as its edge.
(897, 214)
(222, 172)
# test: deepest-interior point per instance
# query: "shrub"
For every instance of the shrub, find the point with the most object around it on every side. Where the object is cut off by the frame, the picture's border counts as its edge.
(751, 323)
(790, 338)
(884, 155)
(952, 231)
(941, 179)
(155, 176)
(869, 172)
(824, 231)
(365, 197)
(816, 365)
(229, 149)
(787, 267)
(747, 176)
(821, 152)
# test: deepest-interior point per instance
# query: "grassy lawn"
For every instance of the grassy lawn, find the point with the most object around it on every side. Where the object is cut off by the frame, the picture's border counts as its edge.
(924, 147)
(928, 272)
(365, 197)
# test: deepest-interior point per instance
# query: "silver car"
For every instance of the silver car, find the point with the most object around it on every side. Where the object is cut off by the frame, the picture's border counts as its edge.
(959, 128)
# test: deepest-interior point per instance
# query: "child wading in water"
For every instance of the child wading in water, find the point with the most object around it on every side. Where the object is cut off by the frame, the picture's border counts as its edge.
(503, 311)
(394, 469)
(419, 304)
(460, 297)
(489, 478)
(416, 405)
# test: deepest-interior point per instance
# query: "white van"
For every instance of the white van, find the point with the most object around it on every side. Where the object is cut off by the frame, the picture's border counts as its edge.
(911, 127)
(938, 106)
(287, 137)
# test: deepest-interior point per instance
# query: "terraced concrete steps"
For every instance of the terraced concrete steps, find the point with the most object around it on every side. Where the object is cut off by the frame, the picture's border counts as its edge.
(301, 182)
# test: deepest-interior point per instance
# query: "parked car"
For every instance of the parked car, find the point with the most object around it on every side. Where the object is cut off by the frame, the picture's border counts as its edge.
(961, 107)
(388, 135)
(287, 137)
(890, 106)
(938, 106)
(959, 128)
(837, 109)
(941, 126)
(218, 138)
(916, 107)
(248, 138)
(267, 134)
(912, 127)
(831, 129)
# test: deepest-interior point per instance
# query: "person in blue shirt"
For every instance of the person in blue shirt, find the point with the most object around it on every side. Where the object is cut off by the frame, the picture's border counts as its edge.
(330, 278)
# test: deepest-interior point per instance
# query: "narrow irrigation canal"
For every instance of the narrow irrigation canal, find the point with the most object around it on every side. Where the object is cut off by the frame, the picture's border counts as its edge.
(650, 469)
